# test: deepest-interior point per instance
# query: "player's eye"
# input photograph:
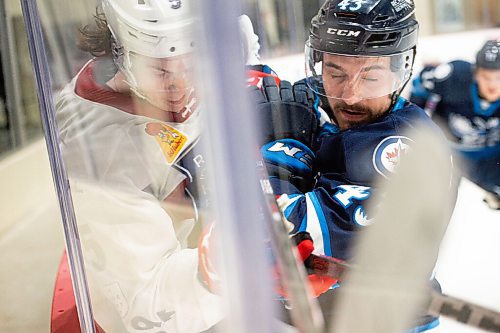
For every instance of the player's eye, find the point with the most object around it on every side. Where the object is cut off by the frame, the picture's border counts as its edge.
(157, 71)
(337, 75)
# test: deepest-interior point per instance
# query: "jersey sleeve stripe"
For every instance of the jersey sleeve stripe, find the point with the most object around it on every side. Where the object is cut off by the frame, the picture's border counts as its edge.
(294, 199)
(317, 225)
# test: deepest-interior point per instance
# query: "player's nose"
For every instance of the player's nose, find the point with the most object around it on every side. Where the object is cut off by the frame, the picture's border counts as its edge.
(173, 85)
(351, 94)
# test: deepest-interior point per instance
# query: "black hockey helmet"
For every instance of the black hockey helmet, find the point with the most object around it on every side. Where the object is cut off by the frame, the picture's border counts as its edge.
(488, 56)
(368, 27)
(363, 29)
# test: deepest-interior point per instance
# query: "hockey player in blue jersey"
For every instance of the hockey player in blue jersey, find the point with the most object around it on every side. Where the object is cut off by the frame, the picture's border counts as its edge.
(344, 125)
(464, 99)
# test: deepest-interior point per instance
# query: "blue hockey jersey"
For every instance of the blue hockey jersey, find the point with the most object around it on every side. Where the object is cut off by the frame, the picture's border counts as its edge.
(449, 93)
(348, 163)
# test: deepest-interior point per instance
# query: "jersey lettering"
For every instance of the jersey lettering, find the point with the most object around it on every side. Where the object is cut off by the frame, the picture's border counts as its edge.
(360, 217)
(198, 160)
(347, 193)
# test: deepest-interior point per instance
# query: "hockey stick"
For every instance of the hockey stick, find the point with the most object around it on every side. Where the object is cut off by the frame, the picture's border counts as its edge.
(438, 304)
(394, 258)
(305, 311)
(379, 281)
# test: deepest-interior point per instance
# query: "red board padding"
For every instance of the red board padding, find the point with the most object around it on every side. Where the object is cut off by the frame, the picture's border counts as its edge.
(64, 314)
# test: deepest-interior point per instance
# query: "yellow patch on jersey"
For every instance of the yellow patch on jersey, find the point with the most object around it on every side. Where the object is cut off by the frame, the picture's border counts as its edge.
(170, 139)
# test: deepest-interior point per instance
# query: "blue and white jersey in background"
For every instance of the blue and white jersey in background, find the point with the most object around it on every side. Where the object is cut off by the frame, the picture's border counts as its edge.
(450, 94)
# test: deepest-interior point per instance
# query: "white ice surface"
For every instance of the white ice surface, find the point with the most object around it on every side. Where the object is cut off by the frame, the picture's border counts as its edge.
(469, 263)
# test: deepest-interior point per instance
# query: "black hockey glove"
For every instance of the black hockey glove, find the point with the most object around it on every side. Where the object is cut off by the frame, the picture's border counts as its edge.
(288, 124)
(285, 111)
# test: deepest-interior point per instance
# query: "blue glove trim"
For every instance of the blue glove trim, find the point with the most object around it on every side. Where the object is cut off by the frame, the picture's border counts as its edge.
(290, 154)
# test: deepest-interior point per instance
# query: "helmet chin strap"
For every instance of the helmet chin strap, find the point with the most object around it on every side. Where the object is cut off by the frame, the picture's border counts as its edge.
(397, 93)
(121, 58)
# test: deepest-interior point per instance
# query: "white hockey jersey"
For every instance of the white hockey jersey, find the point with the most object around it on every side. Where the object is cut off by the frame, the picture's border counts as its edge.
(121, 168)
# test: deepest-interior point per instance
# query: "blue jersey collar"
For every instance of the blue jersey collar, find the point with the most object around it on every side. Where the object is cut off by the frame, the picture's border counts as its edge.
(399, 104)
(477, 103)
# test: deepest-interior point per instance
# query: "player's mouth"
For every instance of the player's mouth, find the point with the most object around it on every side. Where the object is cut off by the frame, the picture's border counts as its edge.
(176, 100)
(352, 115)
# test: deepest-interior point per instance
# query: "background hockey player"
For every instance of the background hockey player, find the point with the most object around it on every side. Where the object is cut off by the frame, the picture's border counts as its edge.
(359, 57)
(464, 99)
(129, 122)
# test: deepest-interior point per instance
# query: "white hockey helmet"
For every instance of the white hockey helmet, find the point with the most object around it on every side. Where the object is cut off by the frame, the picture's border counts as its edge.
(153, 28)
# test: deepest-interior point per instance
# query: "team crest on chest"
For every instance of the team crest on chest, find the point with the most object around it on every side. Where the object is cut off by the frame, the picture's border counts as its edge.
(389, 152)
(170, 139)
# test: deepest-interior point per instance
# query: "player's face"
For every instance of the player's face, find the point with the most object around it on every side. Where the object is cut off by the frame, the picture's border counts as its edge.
(166, 83)
(488, 81)
(351, 80)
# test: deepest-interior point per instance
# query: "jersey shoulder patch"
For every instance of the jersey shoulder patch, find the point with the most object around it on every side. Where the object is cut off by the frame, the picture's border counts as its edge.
(443, 71)
(170, 140)
(388, 154)
(375, 150)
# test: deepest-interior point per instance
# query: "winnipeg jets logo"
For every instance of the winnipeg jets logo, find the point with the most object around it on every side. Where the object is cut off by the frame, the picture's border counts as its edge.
(351, 5)
(388, 154)
(176, 4)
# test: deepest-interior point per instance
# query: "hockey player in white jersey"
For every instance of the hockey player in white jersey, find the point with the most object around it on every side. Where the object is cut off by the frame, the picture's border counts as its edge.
(129, 123)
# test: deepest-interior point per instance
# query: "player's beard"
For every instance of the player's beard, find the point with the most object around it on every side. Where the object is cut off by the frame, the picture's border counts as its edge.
(349, 116)
(355, 115)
